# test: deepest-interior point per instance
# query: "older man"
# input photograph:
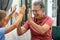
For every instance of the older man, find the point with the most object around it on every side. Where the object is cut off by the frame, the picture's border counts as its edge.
(40, 25)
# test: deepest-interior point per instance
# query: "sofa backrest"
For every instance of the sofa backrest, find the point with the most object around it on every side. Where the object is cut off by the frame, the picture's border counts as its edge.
(56, 32)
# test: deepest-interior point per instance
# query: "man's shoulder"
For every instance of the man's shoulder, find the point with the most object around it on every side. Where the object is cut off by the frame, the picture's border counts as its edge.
(48, 17)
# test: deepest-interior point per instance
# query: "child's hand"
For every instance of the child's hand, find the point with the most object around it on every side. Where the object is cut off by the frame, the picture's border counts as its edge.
(22, 9)
(16, 14)
(14, 9)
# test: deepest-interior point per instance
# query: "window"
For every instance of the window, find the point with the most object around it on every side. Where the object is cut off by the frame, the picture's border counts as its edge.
(54, 12)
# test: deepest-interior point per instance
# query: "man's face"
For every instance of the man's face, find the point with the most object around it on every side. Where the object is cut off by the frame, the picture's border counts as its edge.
(38, 12)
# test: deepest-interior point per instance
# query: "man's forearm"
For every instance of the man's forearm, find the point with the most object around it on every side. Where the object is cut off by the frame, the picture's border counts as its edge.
(19, 31)
(38, 28)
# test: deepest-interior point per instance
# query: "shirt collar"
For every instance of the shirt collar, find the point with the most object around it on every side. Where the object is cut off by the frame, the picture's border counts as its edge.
(35, 20)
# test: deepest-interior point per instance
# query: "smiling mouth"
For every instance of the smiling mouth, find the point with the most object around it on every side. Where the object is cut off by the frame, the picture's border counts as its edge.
(36, 16)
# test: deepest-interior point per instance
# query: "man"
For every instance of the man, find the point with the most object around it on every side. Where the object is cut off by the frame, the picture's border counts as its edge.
(40, 25)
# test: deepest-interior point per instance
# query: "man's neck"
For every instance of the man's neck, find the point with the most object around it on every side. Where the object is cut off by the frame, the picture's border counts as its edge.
(40, 20)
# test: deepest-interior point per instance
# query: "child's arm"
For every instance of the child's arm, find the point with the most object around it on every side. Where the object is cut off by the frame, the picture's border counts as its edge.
(10, 14)
(17, 21)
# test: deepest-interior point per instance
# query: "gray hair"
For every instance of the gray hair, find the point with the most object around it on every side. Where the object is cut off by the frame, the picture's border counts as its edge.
(39, 3)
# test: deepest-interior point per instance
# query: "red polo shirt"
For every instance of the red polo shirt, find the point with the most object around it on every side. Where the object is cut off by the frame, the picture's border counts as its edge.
(35, 35)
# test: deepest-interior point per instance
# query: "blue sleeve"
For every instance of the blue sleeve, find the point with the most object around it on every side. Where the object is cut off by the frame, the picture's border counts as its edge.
(2, 31)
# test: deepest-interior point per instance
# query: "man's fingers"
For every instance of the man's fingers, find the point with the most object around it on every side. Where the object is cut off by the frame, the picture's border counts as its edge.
(23, 7)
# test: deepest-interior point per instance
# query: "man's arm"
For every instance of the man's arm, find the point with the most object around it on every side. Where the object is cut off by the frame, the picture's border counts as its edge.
(21, 30)
(10, 14)
(39, 29)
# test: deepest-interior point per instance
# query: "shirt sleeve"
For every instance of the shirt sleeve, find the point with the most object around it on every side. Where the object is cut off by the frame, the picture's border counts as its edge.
(49, 22)
(26, 25)
(2, 31)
